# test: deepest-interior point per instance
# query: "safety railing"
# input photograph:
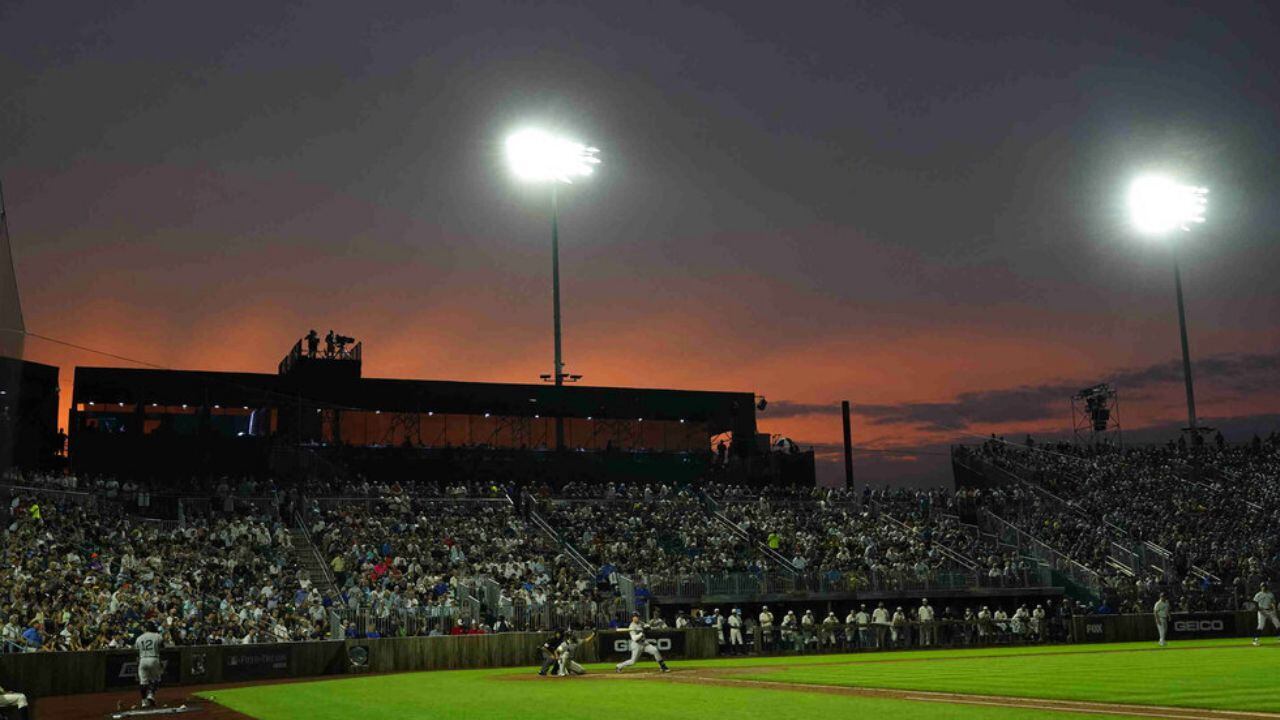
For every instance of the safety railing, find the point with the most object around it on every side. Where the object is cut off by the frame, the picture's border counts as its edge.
(947, 552)
(518, 615)
(1046, 553)
(745, 587)
(374, 623)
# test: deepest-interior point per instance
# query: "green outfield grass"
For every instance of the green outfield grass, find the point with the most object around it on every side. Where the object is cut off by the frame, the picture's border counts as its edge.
(1209, 674)
(1222, 675)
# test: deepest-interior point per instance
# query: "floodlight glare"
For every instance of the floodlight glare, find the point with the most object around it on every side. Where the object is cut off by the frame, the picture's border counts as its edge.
(539, 156)
(1159, 205)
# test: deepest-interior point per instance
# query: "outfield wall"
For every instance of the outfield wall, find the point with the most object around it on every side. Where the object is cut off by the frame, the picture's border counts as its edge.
(1182, 626)
(46, 674)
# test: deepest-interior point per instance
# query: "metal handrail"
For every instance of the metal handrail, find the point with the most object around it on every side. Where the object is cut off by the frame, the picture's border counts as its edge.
(558, 538)
(964, 562)
(1127, 558)
(311, 545)
(1091, 576)
(763, 547)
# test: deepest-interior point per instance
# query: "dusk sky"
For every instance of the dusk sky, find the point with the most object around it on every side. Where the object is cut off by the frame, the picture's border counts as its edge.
(919, 209)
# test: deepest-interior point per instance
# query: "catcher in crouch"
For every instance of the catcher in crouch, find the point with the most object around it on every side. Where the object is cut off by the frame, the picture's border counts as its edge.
(564, 654)
(641, 644)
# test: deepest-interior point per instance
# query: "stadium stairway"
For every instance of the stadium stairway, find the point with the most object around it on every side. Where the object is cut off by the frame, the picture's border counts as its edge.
(312, 562)
(534, 517)
(950, 553)
(768, 552)
(1125, 554)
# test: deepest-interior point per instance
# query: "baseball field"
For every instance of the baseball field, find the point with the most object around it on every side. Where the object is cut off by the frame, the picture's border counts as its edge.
(1193, 679)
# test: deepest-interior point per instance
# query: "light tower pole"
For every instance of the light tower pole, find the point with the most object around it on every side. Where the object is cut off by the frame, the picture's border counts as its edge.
(558, 371)
(1159, 206)
(1186, 353)
(541, 157)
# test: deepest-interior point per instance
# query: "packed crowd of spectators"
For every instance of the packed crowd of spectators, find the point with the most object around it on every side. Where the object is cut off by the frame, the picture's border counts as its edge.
(76, 578)
(652, 531)
(404, 554)
(84, 574)
(1210, 507)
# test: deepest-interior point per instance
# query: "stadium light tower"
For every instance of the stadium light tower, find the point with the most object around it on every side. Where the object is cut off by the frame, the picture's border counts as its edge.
(538, 156)
(1159, 207)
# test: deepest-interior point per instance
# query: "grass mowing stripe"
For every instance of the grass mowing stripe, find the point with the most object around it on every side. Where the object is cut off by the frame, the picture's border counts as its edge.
(1227, 677)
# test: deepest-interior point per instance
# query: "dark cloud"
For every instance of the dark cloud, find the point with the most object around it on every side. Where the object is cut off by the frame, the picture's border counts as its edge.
(777, 410)
(1236, 374)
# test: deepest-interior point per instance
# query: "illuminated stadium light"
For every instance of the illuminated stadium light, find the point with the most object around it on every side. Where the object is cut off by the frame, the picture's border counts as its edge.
(1158, 205)
(541, 157)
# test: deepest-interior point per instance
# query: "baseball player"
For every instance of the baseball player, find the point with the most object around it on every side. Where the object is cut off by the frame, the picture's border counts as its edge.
(548, 651)
(809, 629)
(1266, 603)
(968, 626)
(927, 630)
(682, 620)
(1161, 611)
(880, 619)
(1021, 622)
(1037, 623)
(735, 631)
(150, 671)
(830, 629)
(1000, 621)
(851, 630)
(15, 700)
(984, 623)
(898, 628)
(766, 627)
(641, 644)
(717, 622)
(565, 651)
(790, 629)
(863, 618)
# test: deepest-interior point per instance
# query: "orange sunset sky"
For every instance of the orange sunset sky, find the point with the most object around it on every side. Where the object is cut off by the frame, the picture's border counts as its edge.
(937, 236)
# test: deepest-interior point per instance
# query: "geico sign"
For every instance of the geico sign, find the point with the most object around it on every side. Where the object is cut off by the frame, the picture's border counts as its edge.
(624, 646)
(1198, 626)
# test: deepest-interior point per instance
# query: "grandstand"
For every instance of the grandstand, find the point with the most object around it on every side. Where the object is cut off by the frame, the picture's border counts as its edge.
(319, 415)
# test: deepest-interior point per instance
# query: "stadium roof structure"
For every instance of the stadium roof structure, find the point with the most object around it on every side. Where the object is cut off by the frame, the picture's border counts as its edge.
(720, 411)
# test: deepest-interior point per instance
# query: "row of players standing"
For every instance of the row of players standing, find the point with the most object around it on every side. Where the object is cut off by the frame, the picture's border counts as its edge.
(874, 629)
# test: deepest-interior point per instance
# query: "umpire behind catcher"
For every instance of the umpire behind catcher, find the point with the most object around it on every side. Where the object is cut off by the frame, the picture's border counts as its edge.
(548, 651)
